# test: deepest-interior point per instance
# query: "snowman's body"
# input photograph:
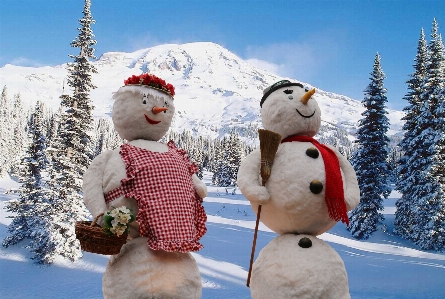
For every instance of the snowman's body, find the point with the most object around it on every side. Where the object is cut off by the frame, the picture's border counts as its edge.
(292, 207)
(142, 116)
(283, 269)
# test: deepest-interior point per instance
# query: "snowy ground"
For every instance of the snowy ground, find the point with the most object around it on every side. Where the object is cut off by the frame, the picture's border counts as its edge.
(385, 266)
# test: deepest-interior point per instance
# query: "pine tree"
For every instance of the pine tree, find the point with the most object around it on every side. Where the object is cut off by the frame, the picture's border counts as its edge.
(227, 160)
(234, 154)
(78, 117)
(52, 128)
(100, 131)
(198, 155)
(370, 159)
(18, 127)
(32, 207)
(72, 149)
(427, 160)
(407, 178)
(220, 175)
(5, 132)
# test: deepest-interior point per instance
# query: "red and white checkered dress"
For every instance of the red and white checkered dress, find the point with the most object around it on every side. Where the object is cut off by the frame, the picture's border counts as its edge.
(170, 214)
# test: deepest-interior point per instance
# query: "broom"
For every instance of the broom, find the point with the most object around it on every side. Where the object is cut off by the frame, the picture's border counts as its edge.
(269, 142)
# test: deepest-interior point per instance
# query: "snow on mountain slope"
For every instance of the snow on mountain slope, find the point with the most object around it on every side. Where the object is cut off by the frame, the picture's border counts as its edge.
(215, 89)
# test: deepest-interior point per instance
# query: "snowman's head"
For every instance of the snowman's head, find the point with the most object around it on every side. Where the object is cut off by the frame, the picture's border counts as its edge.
(289, 109)
(142, 112)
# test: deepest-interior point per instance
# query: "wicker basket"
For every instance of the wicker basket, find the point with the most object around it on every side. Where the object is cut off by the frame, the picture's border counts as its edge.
(93, 238)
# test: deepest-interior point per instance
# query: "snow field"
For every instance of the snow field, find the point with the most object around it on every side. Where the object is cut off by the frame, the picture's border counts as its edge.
(385, 266)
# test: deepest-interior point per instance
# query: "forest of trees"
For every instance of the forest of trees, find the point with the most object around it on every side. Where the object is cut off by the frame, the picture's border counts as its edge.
(47, 152)
(419, 170)
(420, 215)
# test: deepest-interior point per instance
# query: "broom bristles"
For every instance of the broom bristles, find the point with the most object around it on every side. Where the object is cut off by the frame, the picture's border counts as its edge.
(269, 142)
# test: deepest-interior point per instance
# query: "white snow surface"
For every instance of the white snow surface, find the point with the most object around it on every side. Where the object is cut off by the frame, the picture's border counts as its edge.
(385, 266)
(215, 89)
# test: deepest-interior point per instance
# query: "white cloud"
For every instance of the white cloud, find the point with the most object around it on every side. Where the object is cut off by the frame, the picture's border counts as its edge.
(301, 60)
(289, 59)
(148, 40)
(23, 61)
(265, 65)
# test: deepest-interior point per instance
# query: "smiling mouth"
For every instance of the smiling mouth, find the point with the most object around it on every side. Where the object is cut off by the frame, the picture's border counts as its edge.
(305, 116)
(150, 121)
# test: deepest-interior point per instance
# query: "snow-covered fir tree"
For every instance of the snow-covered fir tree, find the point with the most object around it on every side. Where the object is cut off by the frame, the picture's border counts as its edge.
(52, 127)
(199, 149)
(99, 136)
(370, 158)
(105, 136)
(18, 126)
(427, 160)
(234, 154)
(408, 176)
(32, 208)
(5, 133)
(220, 167)
(228, 159)
(78, 116)
(72, 149)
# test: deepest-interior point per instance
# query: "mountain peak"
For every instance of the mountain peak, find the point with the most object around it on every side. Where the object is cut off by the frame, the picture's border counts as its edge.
(214, 87)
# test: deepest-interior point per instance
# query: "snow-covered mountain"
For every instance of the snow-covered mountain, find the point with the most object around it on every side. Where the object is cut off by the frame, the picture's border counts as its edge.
(215, 89)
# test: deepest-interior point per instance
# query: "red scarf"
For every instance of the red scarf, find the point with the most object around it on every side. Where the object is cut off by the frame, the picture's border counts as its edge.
(335, 197)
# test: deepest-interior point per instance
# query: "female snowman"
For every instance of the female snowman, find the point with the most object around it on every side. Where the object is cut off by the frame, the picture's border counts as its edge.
(158, 183)
(311, 187)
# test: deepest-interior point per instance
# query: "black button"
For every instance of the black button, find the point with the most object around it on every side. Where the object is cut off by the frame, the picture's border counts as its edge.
(312, 152)
(305, 242)
(316, 186)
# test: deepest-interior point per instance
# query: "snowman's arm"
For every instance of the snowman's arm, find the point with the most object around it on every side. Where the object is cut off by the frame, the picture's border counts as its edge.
(248, 179)
(200, 187)
(92, 187)
(352, 190)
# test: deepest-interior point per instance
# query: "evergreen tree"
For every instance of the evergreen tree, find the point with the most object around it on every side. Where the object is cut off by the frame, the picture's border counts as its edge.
(5, 135)
(234, 154)
(427, 160)
(18, 128)
(220, 176)
(77, 119)
(228, 159)
(406, 178)
(198, 155)
(32, 207)
(52, 128)
(370, 158)
(72, 149)
(99, 137)
(208, 155)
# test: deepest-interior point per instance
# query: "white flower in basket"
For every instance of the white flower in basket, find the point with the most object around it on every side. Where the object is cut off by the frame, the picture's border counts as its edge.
(116, 221)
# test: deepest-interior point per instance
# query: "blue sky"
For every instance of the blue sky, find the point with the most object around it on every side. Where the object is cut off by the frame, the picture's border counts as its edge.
(329, 44)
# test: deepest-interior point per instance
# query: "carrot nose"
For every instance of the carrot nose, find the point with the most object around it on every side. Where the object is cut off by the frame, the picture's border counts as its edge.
(157, 109)
(307, 96)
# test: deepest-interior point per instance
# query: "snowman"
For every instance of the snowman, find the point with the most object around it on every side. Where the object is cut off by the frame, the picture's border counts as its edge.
(311, 187)
(158, 183)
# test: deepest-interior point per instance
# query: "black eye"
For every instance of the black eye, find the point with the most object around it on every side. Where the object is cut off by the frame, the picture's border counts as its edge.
(288, 91)
(306, 89)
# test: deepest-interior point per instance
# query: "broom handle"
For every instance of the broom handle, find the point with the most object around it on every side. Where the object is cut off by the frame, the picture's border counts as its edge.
(253, 245)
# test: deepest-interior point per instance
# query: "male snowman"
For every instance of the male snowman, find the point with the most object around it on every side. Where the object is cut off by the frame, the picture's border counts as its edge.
(310, 188)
